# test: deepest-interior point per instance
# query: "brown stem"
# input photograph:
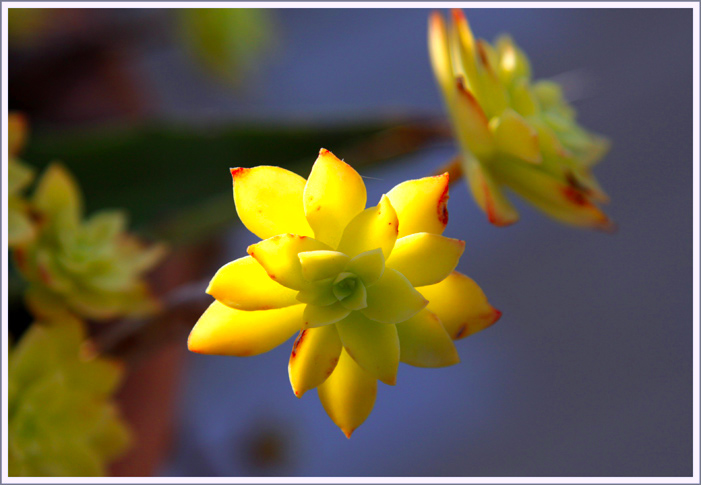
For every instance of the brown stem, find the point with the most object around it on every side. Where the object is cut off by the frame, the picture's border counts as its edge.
(454, 169)
(130, 339)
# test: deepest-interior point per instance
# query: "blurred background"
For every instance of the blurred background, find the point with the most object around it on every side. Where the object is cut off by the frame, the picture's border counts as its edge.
(589, 371)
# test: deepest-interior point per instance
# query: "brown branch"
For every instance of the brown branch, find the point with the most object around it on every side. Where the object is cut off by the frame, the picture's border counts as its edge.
(454, 169)
(131, 339)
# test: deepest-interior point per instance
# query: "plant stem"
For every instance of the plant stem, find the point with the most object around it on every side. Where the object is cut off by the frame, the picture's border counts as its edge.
(454, 169)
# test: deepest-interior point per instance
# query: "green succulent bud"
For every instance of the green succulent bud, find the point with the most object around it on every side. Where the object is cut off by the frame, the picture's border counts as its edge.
(92, 268)
(19, 176)
(61, 420)
(514, 133)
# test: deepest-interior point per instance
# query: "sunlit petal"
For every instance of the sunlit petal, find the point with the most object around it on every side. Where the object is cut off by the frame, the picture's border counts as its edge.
(424, 258)
(373, 228)
(461, 305)
(269, 201)
(245, 285)
(279, 256)
(348, 395)
(333, 196)
(222, 330)
(421, 205)
(314, 356)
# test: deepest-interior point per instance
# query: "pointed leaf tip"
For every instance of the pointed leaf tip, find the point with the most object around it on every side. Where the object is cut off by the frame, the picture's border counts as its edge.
(238, 172)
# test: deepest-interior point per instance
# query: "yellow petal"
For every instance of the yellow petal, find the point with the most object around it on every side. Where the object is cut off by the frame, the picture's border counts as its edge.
(333, 196)
(461, 305)
(269, 201)
(58, 196)
(279, 256)
(493, 96)
(585, 180)
(424, 342)
(373, 346)
(224, 331)
(316, 316)
(392, 299)
(523, 101)
(368, 266)
(559, 200)
(472, 124)
(488, 194)
(421, 205)
(373, 228)
(514, 136)
(425, 259)
(314, 357)
(348, 395)
(463, 48)
(513, 64)
(319, 265)
(439, 51)
(244, 284)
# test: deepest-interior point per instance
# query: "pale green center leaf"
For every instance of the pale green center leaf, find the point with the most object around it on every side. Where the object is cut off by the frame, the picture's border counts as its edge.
(368, 266)
(358, 299)
(319, 265)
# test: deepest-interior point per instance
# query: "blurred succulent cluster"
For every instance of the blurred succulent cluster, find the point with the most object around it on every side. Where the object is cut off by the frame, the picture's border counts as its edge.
(61, 419)
(90, 268)
(514, 132)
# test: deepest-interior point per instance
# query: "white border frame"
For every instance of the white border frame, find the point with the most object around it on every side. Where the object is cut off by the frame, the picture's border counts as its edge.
(694, 6)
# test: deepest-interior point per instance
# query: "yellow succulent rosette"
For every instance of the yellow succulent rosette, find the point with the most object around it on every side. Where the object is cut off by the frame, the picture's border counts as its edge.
(366, 288)
(514, 133)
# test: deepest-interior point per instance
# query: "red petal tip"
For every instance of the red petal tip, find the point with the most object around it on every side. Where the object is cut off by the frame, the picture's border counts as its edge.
(237, 172)
(458, 15)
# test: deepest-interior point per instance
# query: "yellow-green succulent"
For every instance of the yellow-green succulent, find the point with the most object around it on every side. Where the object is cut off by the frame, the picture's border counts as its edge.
(513, 132)
(20, 228)
(365, 288)
(89, 268)
(61, 420)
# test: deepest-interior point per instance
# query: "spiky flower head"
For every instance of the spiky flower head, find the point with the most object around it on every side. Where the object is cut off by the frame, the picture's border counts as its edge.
(61, 420)
(514, 132)
(20, 228)
(365, 288)
(90, 268)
